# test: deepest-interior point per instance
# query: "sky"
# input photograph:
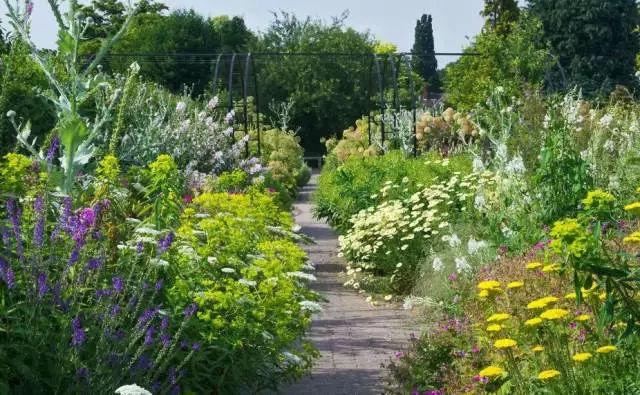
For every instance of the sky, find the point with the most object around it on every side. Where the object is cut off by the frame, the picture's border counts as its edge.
(455, 22)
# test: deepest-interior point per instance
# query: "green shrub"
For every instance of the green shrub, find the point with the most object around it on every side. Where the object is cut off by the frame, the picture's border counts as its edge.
(355, 185)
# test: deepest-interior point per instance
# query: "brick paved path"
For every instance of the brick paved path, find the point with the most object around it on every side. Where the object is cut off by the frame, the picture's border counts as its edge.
(353, 337)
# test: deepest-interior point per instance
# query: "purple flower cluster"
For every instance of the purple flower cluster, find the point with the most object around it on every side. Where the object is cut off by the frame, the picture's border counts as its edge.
(78, 334)
(43, 288)
(190, 310)
(14, 213)
(6, 273)
(165, 242)
(118, 284)
(53, 149)
(38, 231)
(147, 316)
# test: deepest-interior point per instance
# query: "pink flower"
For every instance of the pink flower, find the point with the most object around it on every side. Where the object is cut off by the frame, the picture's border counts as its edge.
(187, 199)
(453, 277)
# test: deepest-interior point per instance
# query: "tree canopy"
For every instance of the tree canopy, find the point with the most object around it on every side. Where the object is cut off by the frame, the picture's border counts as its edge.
(595, 42)
(425, 63)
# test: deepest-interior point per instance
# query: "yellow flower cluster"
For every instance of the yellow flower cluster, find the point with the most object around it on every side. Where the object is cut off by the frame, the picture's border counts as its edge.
(491, 371)
(542, 302)
(498, 317)
(554, 314)
(633, 208)
(598, 200)
(504, 343)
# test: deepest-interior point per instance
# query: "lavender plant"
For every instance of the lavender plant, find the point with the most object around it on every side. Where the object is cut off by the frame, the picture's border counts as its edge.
(77, 315)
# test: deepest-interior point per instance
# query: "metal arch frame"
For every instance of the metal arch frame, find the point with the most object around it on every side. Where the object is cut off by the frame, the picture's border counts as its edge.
(245, 88)
(256, 103)
(414, 101)
(215, 74)
(369, 103)
(394, 80)
(383, 103)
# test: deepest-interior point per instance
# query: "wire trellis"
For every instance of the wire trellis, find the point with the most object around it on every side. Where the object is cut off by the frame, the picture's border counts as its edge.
(241, 68)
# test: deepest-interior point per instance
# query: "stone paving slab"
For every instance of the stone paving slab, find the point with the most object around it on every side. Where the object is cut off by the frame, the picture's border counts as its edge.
(353, 337)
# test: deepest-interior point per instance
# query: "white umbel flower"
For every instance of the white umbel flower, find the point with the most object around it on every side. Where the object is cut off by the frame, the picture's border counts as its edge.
(132, 389)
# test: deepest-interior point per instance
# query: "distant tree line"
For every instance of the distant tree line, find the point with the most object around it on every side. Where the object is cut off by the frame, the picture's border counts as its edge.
(550, 44)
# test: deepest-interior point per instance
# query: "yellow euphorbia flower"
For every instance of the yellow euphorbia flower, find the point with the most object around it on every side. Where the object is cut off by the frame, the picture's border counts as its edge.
(499, 317)
(515, 284)
(581, 357)
(571, 296)
(490, 371)
(494, 328)
(483, 294)
(538, 348)
(548, 374)
(583, 317)
(504, 343)
(533, 322)
(606, 349)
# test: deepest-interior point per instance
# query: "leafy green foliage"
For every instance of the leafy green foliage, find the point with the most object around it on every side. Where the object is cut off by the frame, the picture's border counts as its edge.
(20, 91)
(250, 289)
(328, 93)
(594, 41)
(515, 62)
(500, 15)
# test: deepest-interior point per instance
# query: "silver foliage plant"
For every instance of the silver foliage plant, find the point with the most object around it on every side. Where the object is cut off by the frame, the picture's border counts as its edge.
(70, 92)
(195, 133)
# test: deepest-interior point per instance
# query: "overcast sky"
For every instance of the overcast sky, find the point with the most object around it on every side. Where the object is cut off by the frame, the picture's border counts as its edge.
(454, 21)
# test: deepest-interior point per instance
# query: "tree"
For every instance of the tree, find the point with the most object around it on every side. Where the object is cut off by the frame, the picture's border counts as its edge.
(516, 63)
(329, 92)
(232, 34)
(182, 31)
(595, 42)
(20, 87)
(424, 60)
(108, 16)
(500, 15)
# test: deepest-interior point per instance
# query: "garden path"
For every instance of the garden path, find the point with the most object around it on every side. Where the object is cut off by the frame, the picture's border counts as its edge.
(353, 337)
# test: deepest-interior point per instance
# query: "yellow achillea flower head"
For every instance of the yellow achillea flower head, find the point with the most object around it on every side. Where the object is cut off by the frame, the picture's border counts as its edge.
(504, 343)
(515, 284)
(571, 296)
(581, 357)
(606, 349)
(483, 294)
(633, 238)
(583, 317)
(490, 371)
(533, 322)
(488, 285)
(602, 296)
(498, 317)
(494, 328)
(554, 267)
(538, 348)
(542, 302)
(633, 208)
(533, 265)
(548, 374)
(554, 314)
